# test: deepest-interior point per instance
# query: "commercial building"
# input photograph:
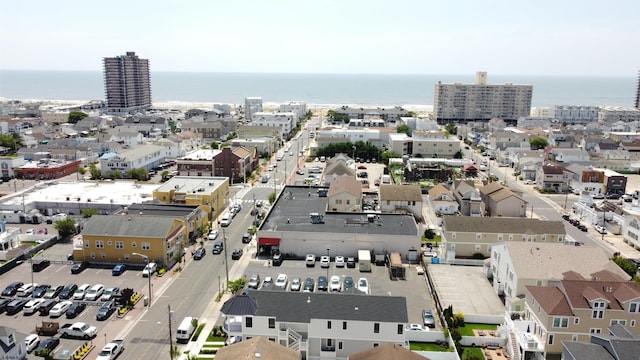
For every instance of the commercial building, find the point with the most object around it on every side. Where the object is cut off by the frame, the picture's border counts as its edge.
(46, 169)
(284, 122)
(252, 105)
(197, 163)
(210, 193)
(460, 102)
(575, 114)
(140, 157)
(127, 84)
(297, 107)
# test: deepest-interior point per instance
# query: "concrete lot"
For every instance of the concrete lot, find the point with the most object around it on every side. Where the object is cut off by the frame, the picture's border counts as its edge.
(414, 288)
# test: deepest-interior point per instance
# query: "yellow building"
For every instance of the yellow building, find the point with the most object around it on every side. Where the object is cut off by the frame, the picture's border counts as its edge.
(118, 238)
(210, 193)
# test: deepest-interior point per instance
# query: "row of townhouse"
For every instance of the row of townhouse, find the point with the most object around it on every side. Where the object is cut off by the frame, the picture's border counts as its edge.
(476, 198)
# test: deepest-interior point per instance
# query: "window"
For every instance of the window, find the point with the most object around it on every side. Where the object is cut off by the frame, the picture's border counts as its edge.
(146, 246)
(376, 328)
(344, 325)
(376, 344)
(400, 329)
(272, 323)
(633, 323)
(550, 339)
(248, 322)
(598, 310)
(99, 244)
(348, 202)
(621, 322)
(329, 324)
(119, 245)
(103, 255)
(594, 331)
(339, 345)
(634, 307)
(560, 322)
(133, 244)
(574, 338)
(576, 321)
(109, 243)
(86, 244)
(478, 236)
(478, 247)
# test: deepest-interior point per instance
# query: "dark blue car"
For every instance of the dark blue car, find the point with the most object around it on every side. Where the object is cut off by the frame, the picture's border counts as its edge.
(118, 269)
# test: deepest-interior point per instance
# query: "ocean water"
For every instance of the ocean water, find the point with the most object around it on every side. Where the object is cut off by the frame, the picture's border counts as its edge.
(369, 89)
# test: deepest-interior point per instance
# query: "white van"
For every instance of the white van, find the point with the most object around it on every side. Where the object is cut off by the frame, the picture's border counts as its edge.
(186, 329)
(226, 219)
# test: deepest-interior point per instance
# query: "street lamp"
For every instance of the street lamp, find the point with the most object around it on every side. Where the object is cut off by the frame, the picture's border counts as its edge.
(146, 258)
(329, 263)
(226, 259)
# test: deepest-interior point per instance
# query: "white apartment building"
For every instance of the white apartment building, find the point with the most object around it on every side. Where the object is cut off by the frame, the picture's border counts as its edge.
(252, 105)
(575, 114)
(284, 122)
(139, 157)
(610, 114)
(297, 107)
(424, 146)
(481, 101)
(352, 135)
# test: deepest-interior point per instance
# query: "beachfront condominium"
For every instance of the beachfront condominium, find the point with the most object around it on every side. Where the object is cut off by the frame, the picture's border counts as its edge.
(460, 102)
(252, 105)
(126, 83)
(638, 92)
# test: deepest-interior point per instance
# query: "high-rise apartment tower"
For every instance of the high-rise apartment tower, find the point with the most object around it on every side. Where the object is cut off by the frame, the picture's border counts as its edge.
(638, 92)
(127, 84)
(460, 102)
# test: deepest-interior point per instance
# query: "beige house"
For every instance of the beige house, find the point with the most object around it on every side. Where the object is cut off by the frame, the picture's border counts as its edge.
(468, 197)
(401, 199)
(337, 167)
(475, 236)
(500, 200)
(573, 308)
(551, 177)
(345, 195)
(442, 200)
(514, 265)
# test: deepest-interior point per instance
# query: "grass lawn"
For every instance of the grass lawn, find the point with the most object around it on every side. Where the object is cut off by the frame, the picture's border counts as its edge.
(420, 346)
(472, 353)
(467, 329)
(212, 338)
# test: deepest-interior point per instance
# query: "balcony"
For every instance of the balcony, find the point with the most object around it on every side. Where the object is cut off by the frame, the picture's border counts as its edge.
(233, 325)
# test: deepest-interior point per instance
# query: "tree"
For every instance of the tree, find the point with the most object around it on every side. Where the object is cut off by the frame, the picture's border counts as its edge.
(87, 213)
(237, 285)
(429, 234)
(65, 227)
(272, 198)
(215, 145)
(452, 128)
(335, 117)
(538, 142)
(403, 129)
(386, 155)
(76, 116)
(125, 297)
(625, 264)
(96, 174)
(458, 155)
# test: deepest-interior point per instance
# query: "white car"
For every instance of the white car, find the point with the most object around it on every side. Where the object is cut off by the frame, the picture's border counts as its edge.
(363, 285)
(339, 261)
(335, 284)
(32, 306)
(213, 234)
(60, 308)
(529, 182)
(109, 293)
(310, 260)
(325, 261)
(282, 281)
(296, 284)
(416, 327)
(30, 232)
(81, 291)
(31, 342)
(95, 292)
(149, 269)
(601, 229)
(26, 289)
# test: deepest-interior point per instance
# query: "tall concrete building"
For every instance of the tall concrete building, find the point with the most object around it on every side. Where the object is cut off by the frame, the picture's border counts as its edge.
(638, 92)
(127, 84)
(460, 102)
(252, 105)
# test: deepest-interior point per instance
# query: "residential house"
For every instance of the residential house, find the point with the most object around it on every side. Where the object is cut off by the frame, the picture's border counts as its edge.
(284, 122)
(126, 136)
(297, 107)
(631, 233)
(531, 122)
(401, 199)
(551, 177)
(468, 197)
(595, 144)
(208, 130)
(319, 325)
(345, 195)
(265, 146)
(521, 158)
(257, 348)
(197, 163)
(12, 344)
(91, 124)
(572, 309)
(140, 157)
(466, 236)
(501, 140)
(575, 114)
(620, 342)
(515, 265)
(585, 179)
(236, 163)
(338, 167)
(442, 200)
(426, 146)
(119, 238)
(609, 114)
(387, 351)
(500, 200)
(566, 155)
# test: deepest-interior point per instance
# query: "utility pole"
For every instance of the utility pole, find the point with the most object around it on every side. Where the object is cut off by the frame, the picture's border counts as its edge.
(226, 258)
(170, 334)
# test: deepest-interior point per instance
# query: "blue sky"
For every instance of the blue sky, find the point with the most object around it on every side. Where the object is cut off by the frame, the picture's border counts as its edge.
(342, 36)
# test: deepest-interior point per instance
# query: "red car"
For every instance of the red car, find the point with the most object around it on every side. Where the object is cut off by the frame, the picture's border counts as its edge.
(362, 167)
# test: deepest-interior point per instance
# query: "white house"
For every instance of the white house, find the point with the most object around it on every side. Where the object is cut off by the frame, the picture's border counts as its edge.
(443, 200)
(569, 155)
(297, 107)
(401, 199)
(139, 157)
(12, 344)
(345, 195)
(284, 122)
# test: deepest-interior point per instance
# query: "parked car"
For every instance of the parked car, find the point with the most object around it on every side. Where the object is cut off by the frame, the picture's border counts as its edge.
(39, 264)
(78, 267)
(325, 261)
(31, 342)
(613, 196)
(236, 254)
(110, 293)
(323, 284)
(94, 293)
(351, 262)
(348, 283)
(105, 311)
(46, 306)
(118, 269)
(300, 172)
(427, 318)
(213, 234)
(309, 285)
(12, 288)
(566, 217)
(339, 261)
(296, 284)
(26, 289)
(199, 254)
(68, 291)
(60, 308)
(15, 306)
(32, 306)
(598, 196)
(600, 229)
(276, 259)
(363, 285)
(40, 290)
(282, 281)
(81, 291)
(582, 227)
(310, 260)
(415, 327)
(254, 281)
(149, 269)
(218, 246)
(48, 344)
(53, 292)
(74, 310)
(335, 284)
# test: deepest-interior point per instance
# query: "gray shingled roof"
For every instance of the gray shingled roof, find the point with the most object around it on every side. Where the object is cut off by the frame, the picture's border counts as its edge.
(586, 351)
(502, 225)
(302, 307)
(116, 225)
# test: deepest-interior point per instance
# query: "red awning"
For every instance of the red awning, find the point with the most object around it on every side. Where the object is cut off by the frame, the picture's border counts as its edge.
(268, 241)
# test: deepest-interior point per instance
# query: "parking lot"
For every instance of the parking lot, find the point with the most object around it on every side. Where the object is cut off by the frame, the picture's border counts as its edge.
(414, 288)
(59, 273)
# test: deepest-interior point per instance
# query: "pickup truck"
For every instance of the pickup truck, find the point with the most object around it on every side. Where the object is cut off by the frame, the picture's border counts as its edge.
(77, 330)
(111, 350)
(48, 328)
